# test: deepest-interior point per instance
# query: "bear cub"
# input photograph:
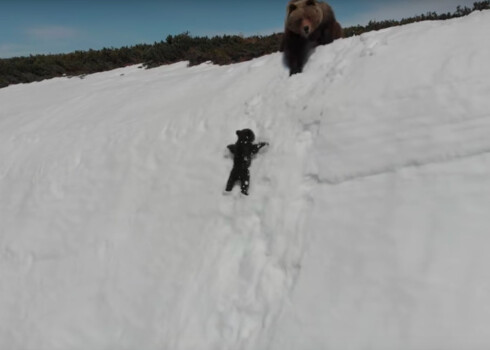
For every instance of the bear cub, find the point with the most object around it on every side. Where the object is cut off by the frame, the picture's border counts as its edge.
(243, 151)
(309, 23)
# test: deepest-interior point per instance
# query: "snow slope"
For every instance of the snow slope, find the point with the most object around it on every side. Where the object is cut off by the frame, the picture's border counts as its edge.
(366, 228)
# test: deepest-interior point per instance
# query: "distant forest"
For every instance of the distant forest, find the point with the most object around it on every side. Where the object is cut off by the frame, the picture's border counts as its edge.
(220, 50)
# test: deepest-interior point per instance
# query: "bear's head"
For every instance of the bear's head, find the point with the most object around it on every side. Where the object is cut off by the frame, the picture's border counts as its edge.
(303, 16)
(245, 136)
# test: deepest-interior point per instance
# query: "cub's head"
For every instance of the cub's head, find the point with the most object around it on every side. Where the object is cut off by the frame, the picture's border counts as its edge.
(245, 136)
(303, 16)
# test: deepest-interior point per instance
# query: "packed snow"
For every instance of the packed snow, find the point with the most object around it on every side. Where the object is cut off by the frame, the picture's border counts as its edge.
(367, 224)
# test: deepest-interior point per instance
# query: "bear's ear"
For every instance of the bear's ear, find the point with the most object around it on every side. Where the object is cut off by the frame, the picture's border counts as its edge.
(291, 8)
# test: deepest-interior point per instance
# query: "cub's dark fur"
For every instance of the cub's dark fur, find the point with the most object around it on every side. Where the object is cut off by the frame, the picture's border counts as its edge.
(243, 151)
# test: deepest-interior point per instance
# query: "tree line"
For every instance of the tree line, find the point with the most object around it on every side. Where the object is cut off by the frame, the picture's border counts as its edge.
(220, 50)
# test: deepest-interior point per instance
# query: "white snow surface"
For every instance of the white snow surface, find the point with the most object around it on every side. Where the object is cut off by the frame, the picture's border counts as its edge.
(367, 224)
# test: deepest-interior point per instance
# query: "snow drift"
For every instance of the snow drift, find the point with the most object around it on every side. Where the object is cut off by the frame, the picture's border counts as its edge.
(367, 226)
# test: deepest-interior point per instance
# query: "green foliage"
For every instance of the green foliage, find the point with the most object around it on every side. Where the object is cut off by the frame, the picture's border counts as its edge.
(36, 68)
(220, 50)
(430, 16)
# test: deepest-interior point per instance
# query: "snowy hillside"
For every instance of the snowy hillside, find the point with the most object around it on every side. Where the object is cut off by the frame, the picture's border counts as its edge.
(367, 224)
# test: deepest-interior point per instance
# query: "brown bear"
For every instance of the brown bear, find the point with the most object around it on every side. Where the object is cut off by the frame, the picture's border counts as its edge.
(309, 23)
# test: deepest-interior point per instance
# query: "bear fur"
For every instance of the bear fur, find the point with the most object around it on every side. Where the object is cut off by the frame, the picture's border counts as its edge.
(309, 23)
(243, 151)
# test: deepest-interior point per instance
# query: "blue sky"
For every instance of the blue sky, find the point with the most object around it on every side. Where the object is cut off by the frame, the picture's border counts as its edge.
(57, 26)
